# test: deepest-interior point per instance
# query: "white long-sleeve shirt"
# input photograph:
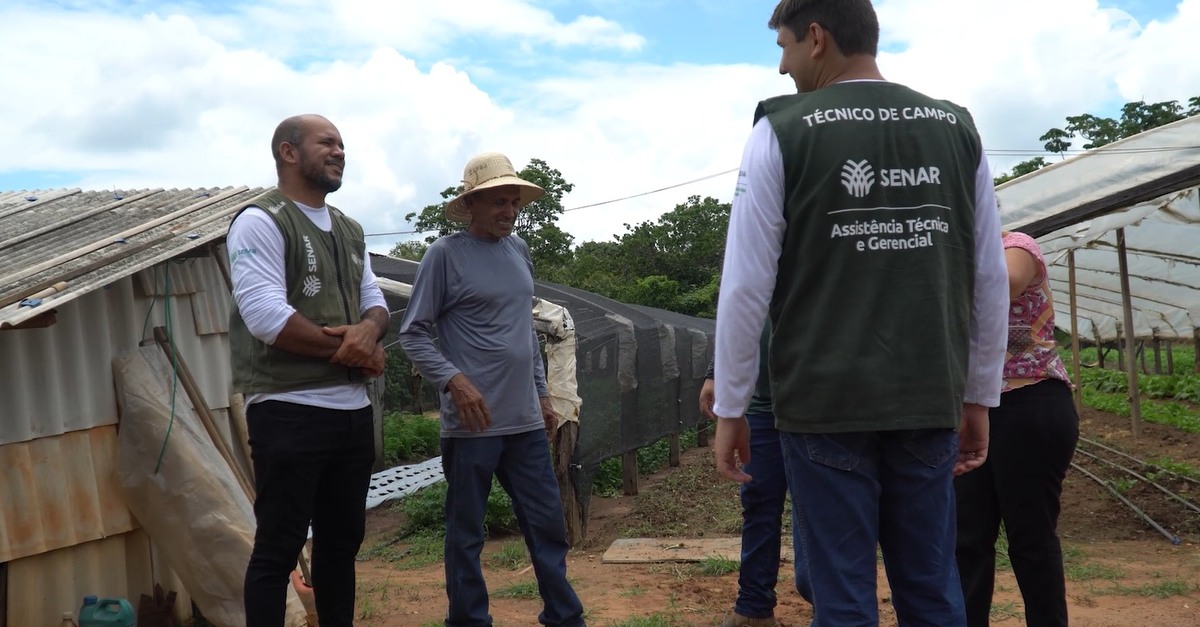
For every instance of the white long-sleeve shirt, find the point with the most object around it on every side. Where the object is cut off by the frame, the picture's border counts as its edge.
(256, 248)
(753, 247)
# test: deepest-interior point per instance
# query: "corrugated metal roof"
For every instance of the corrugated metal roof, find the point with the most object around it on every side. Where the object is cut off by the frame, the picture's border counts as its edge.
(90, 239)
(65, 493)
(59, 379)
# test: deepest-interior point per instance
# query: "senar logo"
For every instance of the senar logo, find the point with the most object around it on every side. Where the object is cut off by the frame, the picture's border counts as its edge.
(858, 177)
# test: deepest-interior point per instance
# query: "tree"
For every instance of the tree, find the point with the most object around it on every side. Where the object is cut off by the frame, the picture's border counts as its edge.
(1098, 131)
(1021, 169)
(413, 250)
(1056, 141)
(671, 263)
(549, 246)
(686, 244)
(1136, 117)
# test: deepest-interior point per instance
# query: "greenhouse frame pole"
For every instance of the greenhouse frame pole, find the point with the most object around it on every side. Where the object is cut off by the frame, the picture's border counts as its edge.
(1077, 393)
(1135, 410)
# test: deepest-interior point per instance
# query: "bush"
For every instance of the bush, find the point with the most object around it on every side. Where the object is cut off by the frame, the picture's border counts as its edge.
(409, 438)
(426, 510)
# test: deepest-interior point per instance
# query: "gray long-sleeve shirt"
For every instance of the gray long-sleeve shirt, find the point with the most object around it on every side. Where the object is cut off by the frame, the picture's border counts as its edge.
(479, 294)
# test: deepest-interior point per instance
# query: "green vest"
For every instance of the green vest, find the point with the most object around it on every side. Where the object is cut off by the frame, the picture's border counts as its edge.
(323, 273)
(872, 303)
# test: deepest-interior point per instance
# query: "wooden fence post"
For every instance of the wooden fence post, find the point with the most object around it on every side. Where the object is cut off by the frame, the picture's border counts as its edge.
(629, 473)
(564, 449)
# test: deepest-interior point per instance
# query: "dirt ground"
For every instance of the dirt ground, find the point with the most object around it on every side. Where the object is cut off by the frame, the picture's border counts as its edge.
(1121, 571)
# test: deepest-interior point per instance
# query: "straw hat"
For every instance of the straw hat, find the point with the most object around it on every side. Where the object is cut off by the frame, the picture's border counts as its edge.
(490, 169)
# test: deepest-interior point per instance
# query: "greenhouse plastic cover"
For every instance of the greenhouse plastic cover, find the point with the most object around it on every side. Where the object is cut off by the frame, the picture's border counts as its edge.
(1146, 185)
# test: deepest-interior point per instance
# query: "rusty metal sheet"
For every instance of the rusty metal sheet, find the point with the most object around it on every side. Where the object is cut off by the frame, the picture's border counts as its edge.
(42, 587)
(59, 492)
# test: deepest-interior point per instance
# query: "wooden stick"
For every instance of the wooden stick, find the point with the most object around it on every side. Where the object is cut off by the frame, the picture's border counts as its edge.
(202, 410)
(28, 235)
(629, 472)
(27, 205)
(564, 449)
(1077, 393)
(129, 251)
(216, 255)
(90, 267)
(1135, 411)
(110, 240)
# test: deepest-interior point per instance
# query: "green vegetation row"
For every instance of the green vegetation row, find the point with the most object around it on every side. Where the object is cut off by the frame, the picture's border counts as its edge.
(1166, 399)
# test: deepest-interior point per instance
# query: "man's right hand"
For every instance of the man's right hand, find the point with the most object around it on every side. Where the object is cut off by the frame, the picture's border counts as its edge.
(732, 446)
(374, 368)
(707, 398)
(472, 409)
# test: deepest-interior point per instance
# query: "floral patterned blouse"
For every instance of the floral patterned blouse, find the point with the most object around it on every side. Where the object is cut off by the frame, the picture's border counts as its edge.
(1031, 355)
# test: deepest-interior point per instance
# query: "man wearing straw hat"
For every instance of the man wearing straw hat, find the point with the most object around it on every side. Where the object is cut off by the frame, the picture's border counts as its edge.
(476, 287)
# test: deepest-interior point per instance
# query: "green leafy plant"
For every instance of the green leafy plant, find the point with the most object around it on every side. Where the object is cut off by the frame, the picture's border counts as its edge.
(408, 438)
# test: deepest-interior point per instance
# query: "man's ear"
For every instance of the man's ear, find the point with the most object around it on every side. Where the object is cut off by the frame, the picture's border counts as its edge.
(288, 152)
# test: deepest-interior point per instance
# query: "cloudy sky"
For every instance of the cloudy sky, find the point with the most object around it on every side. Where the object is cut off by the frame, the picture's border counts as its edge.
(622, 96)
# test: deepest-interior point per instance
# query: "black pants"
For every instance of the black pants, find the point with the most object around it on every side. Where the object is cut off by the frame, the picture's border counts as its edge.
(310, 465)
(1033, 435)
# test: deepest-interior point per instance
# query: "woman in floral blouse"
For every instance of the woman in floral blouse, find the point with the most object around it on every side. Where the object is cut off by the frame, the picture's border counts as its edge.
(1033, 435)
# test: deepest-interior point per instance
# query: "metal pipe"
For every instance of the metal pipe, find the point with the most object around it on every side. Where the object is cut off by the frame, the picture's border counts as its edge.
(1186, 503)
(1157, 527)
(1142, 462)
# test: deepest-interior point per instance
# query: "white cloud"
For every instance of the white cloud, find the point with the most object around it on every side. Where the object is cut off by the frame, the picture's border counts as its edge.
(422, 25)
(619, 131)
(181, 99)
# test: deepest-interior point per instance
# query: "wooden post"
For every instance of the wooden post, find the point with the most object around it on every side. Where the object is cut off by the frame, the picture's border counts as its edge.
(1141, 354)
(1100, 351)
(1157, 343)
(205, 414)
(216, 255)
(564, 450)
(702, 425)
(1078, 391)
(629, 473)
(1120, 349)
(1170, 358)
(1196, 351)
(1135, 409)
(674, 455)
(201, 406)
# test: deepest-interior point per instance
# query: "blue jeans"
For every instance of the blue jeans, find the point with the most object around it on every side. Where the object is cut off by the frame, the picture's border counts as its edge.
(762, 507)
(522, 464)
(892, 489)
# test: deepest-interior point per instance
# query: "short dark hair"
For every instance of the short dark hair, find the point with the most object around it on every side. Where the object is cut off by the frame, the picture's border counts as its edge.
(290, 131)
(852, 23)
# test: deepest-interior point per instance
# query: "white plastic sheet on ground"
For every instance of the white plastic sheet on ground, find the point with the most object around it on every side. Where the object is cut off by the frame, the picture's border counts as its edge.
(399, 482)
(1146, 185)
(192, 507)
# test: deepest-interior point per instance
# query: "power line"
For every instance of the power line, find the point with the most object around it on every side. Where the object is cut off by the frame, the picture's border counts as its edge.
(993, 152)
(597, 204)
(653, 191)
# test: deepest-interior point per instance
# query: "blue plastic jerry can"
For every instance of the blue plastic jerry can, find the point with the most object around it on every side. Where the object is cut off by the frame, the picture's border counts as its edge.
(106, 613)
